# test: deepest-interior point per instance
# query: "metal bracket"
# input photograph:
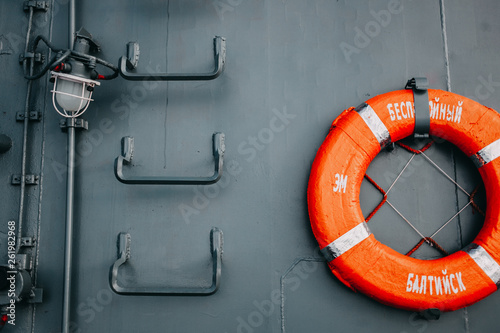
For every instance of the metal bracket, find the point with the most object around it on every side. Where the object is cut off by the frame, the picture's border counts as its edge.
(216, 243)
(77, 123)
(28, 180)
(35, 296)
(126, 157)
(130, 62)
(37, 57)
(27, 241)
(32, 116)
(133, 53)
(23, 261)
(128, 148)
(421, 101)
(37, 5)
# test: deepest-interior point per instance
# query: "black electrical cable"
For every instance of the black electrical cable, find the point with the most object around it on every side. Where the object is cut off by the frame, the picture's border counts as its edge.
(51, 65)
(111, 66)
(101, 62)
(46, 41)
(55, 61)
(109, 77)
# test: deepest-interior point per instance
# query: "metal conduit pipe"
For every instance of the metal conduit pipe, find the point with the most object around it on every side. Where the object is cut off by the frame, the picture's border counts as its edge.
(25, 135)
(71, 20)
(68, 252)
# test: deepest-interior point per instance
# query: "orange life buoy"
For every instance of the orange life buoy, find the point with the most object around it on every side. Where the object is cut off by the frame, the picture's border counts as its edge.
(353, 254)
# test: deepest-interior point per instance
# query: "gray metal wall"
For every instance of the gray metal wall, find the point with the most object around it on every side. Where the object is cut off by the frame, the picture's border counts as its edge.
(292, 67)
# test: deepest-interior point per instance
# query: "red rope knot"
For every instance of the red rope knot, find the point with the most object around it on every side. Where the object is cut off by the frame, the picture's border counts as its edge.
(416, 151)
(473, 203)
(384, 199)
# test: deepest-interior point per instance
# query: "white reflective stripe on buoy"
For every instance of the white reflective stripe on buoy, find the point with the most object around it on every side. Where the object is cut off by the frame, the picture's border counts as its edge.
(487, 154)
(484, 261)
(376, 125)
(345, 242)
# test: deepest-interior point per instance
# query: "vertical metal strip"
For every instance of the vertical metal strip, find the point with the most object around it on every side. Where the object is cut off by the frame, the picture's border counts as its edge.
(28, 70)
(68, 252)
(72, 24)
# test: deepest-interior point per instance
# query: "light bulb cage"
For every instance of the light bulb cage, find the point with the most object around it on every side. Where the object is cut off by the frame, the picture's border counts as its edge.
(87, 85)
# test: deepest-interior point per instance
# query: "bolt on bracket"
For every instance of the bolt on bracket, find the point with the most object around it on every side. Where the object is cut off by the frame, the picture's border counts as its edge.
(28, 241)
(37, 5)
(77, 123)
(37, 57)
(28, 180)
(32, 116)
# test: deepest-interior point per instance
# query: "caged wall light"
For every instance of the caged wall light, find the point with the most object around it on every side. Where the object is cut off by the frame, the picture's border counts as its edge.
(74, 74)
(72, 93)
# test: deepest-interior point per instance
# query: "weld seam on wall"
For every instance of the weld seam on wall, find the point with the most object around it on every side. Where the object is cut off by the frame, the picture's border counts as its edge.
(282, 286)
(445, 44)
